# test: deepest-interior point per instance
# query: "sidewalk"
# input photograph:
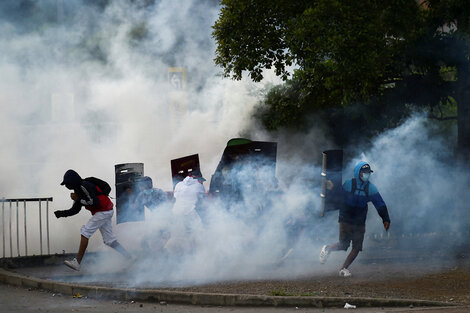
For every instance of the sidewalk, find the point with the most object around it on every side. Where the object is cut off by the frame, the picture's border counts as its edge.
(195, 298)
(29, 300)
(48, 273)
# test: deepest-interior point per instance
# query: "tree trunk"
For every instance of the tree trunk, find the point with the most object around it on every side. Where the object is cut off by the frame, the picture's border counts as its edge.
(463, 146)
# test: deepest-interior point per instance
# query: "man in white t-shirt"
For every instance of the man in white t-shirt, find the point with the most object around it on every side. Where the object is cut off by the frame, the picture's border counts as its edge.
(188, 194)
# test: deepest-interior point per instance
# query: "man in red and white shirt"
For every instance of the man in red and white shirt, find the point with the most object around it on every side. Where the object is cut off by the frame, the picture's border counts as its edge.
(89, 195)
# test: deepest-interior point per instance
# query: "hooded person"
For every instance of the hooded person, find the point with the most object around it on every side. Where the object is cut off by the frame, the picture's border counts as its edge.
(155, 234)
(357, 193)
(148, 195)
(188, 194)
(89, 195)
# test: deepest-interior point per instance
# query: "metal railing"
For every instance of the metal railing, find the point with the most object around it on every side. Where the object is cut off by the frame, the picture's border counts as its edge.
(11, 204)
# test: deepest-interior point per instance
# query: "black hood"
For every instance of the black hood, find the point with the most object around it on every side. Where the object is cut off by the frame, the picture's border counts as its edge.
(71, 179)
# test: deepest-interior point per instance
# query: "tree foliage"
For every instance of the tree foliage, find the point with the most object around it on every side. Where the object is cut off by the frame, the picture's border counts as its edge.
(342, 45)
(383, 56)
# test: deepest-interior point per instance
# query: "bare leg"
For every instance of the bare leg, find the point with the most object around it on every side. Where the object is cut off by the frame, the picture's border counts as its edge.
(351, 257)
(117, 246)
(82, 248)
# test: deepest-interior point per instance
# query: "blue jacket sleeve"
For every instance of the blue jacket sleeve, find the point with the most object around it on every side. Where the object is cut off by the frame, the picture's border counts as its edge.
(379, 203)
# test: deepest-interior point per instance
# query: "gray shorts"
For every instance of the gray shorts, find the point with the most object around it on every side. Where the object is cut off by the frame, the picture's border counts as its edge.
(351, 232)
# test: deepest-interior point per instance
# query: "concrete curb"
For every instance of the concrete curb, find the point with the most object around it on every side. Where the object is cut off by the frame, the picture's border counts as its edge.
(155, 295)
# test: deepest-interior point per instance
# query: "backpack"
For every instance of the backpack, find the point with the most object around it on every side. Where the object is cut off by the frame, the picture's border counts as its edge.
(101, 184)
(354, 187)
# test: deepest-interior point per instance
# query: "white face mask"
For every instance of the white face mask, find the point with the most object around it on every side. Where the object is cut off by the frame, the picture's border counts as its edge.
(365, 177)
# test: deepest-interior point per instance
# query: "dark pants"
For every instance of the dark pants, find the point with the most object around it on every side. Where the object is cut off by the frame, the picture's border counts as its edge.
(350, 232)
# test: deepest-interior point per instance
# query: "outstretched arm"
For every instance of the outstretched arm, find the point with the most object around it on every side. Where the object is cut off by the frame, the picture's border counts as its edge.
(76, 207)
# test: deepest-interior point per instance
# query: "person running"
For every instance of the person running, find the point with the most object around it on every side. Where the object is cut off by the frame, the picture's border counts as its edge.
(148, 195)
(87, 194)
(187, 223)
(358, 192)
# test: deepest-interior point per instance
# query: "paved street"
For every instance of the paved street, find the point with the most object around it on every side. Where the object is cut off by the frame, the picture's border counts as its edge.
(19, 299)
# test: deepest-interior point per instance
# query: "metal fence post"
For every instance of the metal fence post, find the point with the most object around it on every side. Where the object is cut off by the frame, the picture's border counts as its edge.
(10, 225)
(47, 226)
(3, 225)
(17, 229)
(11, 241)
(25, 231)
(40, 227)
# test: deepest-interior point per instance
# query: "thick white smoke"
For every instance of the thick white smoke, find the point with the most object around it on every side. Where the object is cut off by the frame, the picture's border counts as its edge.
(85, 85)
(411, 171)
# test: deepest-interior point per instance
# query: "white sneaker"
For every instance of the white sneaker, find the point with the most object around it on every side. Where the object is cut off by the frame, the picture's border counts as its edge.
(345, 272)
(73, 264)
(324, 254)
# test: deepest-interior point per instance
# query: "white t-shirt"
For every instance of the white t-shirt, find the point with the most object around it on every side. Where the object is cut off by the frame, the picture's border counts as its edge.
(187, 193)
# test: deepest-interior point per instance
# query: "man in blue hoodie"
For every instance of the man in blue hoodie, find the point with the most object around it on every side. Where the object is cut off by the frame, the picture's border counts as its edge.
(357, 192)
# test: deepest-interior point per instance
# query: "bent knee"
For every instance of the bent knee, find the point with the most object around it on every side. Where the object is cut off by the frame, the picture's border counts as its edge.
(85, 232)
(111, 244)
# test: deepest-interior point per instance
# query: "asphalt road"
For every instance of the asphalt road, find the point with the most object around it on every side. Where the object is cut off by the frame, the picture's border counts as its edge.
(19, 299)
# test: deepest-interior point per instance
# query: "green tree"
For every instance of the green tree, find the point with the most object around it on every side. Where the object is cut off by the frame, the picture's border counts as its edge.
(350, 48)
(381, 56)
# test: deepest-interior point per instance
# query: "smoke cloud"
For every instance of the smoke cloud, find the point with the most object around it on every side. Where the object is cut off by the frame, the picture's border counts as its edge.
(88, 84)
(251, 239)
(85, 85)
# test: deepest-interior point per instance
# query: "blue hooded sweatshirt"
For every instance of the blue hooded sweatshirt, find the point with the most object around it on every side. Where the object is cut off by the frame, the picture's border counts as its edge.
(354, 210)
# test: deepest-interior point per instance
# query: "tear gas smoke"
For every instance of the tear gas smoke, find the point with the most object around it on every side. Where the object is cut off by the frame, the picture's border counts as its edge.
(245, 239)
(94, 91)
